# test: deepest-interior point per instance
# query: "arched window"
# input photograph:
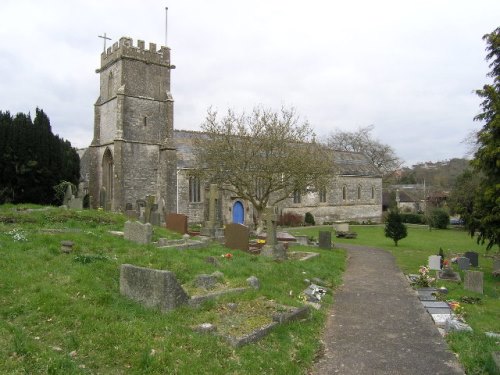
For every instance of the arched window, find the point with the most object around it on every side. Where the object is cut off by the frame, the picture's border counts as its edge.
(344, 193)
(373, 192)
(322, 195)
(107, 178)
(296, 197)
(359, 192)
(194, 189)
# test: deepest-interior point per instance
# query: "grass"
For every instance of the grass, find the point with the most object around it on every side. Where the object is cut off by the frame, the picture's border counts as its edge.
(63, 313)
(474, 350)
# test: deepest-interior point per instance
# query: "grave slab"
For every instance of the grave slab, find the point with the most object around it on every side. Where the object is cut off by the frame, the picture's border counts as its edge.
(435, 304)
(438, 310)
(440, 319)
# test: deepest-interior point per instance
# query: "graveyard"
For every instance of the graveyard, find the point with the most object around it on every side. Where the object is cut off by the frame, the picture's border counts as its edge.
(65, 307)
(63, 312)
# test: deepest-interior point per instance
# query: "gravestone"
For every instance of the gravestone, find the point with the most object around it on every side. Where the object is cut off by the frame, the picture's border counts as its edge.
(473, 257)
(211, 227)
(138, 232)
(68, 194)
(75, 203)
(341, 226)
(272, 248)
(140, 206)
(302, 240)
(496, 267)
(152, 288)
(237, 236)
(435, 262)
(325, 240)
(463, 263)
(205, 281)
(177, 223)
(150, 208)
(474, 281)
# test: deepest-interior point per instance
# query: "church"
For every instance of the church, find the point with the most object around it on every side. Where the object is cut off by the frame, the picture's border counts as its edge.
(136, 152)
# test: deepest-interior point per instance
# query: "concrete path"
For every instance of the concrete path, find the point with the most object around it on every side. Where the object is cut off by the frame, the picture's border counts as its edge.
(379, 326)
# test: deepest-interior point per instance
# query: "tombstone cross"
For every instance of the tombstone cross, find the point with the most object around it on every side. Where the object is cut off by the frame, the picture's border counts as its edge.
(271, 218)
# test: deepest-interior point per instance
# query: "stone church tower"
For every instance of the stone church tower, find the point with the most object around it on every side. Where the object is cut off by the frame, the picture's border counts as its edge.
(132, 154)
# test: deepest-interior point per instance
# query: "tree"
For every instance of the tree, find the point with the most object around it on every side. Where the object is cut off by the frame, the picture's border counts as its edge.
(486, 208)
(462, 196)
(263, 157)
(394, 227)
(381, 155)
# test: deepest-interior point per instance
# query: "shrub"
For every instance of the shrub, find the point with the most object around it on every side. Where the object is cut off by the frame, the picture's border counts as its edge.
(290, 219)
(439, 218)
(309, 219)
(412, 218)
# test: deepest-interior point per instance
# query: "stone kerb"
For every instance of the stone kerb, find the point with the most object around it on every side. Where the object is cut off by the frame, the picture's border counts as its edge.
(152, 288)
(237, 236)
(138, 232)
(177, 223)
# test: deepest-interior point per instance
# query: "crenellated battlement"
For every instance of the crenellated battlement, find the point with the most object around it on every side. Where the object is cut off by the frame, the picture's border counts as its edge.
(125, 48)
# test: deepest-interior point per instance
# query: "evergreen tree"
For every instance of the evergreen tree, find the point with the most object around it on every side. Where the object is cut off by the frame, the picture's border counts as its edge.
(394, 227)
(33, 160)
(486, 211)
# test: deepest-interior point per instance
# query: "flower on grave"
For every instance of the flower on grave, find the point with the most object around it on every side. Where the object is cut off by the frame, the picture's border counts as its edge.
(424, 280)
(261, 241)
(227, 256)
(423, 270)
(446, 263)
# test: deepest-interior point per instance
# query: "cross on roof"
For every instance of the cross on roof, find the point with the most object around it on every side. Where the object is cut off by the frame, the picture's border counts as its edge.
(105, 38)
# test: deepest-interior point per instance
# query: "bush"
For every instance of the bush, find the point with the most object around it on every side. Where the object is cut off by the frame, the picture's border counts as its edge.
(309, 219)
(439, 218)
(291, 219)
(412, 218)
(394, 227)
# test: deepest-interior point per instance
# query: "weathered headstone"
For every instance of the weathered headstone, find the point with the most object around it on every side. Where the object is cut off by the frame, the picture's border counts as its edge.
(152, 288)
(325, 240)
(236, 236)
(211, 227)
(496, 267)
(68, 194)
(205, 281)
(474, 281)
(150, 208)
(254, 282)
(138, 232)
(341, 226)
(177, 222)
(463, 263)
(302, 240)
(272, 248)
(141, 208)
(473, 257)
(67, 246)
(435, 262)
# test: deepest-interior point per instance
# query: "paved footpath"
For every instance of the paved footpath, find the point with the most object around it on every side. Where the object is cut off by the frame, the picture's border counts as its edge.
(378, 325)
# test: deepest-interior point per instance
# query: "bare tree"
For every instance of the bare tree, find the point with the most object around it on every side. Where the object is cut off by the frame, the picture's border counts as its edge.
(381, 155)
(263, 157)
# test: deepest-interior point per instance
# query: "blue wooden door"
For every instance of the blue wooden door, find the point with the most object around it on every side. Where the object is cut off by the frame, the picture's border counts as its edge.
(238, 213)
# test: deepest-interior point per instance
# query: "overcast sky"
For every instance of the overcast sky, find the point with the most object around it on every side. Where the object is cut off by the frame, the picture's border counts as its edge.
(409, 68)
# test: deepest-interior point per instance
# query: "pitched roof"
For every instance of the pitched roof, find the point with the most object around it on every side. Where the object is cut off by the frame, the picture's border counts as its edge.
(348, 163)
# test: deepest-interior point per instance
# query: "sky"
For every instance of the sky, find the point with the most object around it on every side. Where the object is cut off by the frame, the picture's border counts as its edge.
(409, 68)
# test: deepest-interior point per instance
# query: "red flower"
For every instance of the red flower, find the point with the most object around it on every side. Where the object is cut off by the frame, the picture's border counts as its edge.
(228, 256)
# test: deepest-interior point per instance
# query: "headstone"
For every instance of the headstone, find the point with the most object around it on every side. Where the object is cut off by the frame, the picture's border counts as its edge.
(455, 325)
(75, 203)
(205, 281)
(155, 218)
(237, 236)
(302, 240)
(140, 208)
(463, 263)
(496, 267)
(212, 223)
(474, 281)
(177, 223)
(325, 240)
(150, 207)
(253, 282)
(66, 247)
(272, 248)
(435, 262)
(314, 293)
(473, 257)
(132, 214)
(68, 194)
(341, 226)
(138, 232)
(152, 288)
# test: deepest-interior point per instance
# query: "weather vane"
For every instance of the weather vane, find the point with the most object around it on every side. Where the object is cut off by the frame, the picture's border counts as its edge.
(105, 38)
